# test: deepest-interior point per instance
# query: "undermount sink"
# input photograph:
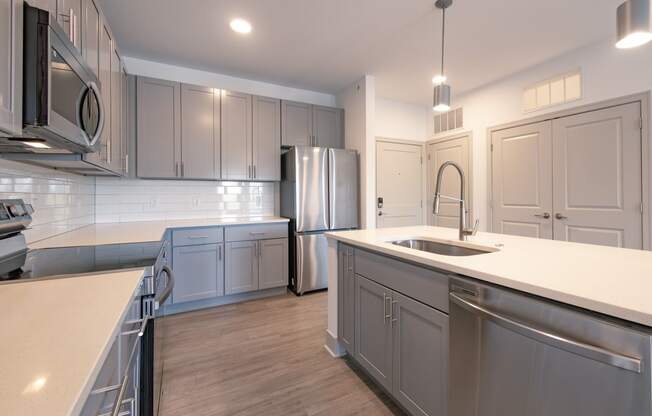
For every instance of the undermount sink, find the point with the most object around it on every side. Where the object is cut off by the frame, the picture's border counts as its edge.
(440, 248)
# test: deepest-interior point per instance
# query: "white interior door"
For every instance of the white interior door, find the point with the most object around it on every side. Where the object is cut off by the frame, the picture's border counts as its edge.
(456, 150)
(398, 183)
(522, 180)
(597, 177)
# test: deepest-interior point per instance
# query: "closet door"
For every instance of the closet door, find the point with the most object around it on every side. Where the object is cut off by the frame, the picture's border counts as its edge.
(522, 180)
(597, 177)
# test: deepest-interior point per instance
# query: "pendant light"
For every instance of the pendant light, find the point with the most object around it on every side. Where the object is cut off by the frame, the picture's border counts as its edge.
(441, 101)
(634, 23)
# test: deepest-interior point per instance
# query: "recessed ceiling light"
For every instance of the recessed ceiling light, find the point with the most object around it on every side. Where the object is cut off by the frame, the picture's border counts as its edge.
(240, 26)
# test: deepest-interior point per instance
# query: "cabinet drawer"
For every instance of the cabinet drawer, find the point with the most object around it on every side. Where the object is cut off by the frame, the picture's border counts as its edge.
(257, 232)
(196, 236)
(427, 286)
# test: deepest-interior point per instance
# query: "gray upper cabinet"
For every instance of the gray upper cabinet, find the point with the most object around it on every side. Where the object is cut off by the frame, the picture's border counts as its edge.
(273, 263)
(236, 135)
(241, 267)
(105, 56)
(266, 139)
(69, 17)
(420, 349)
(296, 124)
(327, 127)
(311, 125)
(11, 74)
(373, 336)
(116, 159)
(90, 34)
(200, 132)
(346, 298)
(158, 132)
(200, 272)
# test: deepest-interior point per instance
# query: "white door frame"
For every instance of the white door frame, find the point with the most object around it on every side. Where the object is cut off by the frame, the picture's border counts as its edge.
(424, 189)
(642, 98)
(469, 175)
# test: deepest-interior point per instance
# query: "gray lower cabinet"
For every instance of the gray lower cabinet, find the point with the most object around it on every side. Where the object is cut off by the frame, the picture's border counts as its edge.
(158, 143)
(11, 74)
(256, 265)
(420, 356)
(241, 267)
(346, 298)
(401, 342)
(199, 271)
(373, 347)
(273, 264)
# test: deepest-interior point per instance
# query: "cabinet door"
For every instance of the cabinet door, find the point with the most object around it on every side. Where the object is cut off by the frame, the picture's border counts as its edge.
(296, 124)
(346, 299)
(373, 332)
(11, 75)
(158, 144)
(198, 272)
(90, 34)
(273, 263)
(125, 119)
(267, 138)
(116, 113)
(200, 132)
(106, 52)
(241, 267)
(69, 17)
(327, 127)
(420, 348)
(236, 135)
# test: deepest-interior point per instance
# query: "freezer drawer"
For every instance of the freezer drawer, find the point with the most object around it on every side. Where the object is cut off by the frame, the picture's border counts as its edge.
(311, 257)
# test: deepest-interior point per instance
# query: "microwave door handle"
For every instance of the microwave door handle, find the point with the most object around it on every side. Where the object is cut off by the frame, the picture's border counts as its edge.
(100, 104)
(159, 300)
(554, 340)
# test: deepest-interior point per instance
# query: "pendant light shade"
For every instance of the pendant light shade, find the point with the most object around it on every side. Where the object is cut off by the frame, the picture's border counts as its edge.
(441, 97)
(441, 100)
(634, 23)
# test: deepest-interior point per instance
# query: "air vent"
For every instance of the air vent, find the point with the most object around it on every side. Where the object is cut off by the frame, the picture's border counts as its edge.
(450, 120)
(553, 91)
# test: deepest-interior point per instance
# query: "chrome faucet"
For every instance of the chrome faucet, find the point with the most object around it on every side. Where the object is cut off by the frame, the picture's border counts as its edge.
(464, 232)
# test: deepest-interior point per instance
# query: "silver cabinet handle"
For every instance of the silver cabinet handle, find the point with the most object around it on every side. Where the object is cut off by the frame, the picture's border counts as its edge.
(176, 169)
(254, 171)
(219, 253)
(350, 254)
(260, 250)
(182, 170)
(558, 216)
(71, 26)
(386, 316)
(197, 237)
(557, 341)
(249, 171)
(255, 233)
(391, 311)
(545, 215)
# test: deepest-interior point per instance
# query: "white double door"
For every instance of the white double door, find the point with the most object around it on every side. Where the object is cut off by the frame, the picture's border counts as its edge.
(575, 178)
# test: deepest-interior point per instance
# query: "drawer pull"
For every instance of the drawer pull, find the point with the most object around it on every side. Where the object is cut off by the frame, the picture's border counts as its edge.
(197, 237)
(253, 233)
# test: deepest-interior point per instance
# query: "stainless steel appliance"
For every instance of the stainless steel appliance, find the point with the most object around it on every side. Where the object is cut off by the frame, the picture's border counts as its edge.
(514, 355)
(63, 114)
(319, 192)
(141, 340)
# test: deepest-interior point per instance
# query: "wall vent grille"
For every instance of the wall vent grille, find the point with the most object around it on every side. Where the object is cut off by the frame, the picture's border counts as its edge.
(451, 120)
(553, 91)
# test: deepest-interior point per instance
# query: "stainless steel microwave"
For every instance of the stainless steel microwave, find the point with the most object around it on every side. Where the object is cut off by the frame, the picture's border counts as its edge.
(62, 105)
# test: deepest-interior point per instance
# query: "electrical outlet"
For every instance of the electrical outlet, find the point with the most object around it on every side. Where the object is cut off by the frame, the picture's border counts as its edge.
(196, 201)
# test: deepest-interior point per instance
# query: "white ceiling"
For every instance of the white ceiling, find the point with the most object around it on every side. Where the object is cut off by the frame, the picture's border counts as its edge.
(326, 45)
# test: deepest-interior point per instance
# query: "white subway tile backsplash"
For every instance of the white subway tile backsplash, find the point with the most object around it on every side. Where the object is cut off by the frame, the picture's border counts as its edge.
(126, 200)
(62, 201)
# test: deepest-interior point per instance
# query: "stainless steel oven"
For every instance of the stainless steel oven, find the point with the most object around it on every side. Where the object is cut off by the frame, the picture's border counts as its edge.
(62, 105)
(514, 354)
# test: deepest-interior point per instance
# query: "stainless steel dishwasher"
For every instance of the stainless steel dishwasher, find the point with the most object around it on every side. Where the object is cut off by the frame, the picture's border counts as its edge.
(513, 354)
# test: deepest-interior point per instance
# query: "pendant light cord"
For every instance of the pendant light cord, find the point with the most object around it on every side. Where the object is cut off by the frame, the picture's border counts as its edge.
(443, 34)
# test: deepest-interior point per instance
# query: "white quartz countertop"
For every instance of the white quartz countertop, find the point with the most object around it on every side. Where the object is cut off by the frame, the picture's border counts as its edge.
(612, 281)
(55, 335)
(139, 232)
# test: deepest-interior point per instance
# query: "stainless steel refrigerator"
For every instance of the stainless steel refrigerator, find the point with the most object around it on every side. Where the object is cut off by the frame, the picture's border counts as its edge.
(319, 193)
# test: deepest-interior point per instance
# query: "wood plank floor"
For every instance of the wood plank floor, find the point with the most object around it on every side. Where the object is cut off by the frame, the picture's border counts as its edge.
(264, 357)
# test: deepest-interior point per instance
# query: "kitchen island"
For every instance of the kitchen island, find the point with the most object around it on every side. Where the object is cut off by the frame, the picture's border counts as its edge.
(514, 326)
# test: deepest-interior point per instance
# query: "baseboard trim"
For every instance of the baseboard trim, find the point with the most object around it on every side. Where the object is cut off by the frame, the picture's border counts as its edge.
(333, 346)
(222, 300)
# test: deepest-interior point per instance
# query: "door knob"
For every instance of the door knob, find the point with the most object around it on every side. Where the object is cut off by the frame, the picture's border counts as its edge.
(380, 213)
(560, 217)
(545, 215)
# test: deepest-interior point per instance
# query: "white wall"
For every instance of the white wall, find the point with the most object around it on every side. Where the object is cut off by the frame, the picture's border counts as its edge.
(153, 69)
(358, 101)
(397, 120)
(607, 73)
